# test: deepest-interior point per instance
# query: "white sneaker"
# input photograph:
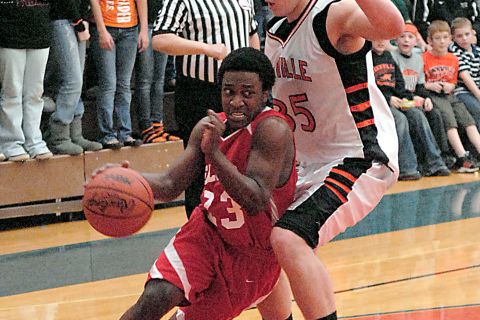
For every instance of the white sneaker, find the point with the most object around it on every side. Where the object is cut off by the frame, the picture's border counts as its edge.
(19, 158)
(43, 156)
(2, 157)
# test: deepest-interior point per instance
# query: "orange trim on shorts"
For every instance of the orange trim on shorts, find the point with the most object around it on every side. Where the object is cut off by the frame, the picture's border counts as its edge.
(344, 174)
(356, 87)
(342, 198)
(360, 107)
(339, 184)
(365, 123)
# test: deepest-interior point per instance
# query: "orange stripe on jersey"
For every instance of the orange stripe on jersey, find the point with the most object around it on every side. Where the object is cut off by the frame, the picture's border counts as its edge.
(360, 107)
(356, 87)
(365, 123)
(342, 198)
(339, 184)
(344, 174)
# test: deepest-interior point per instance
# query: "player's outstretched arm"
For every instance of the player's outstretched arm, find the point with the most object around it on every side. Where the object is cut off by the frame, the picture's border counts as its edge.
(269, 165)
(169, 184)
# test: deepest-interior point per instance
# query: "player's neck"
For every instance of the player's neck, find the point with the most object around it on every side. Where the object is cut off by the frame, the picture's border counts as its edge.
(297, 11)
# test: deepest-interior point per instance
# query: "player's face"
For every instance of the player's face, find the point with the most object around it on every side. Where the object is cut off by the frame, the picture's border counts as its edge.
(440, 41)
(406, 42)
(287, 8)
(463, 37)
(242, 97)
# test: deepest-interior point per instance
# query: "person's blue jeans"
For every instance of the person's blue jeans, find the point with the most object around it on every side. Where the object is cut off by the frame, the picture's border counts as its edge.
(427, 151)
(149, 83)
(407, 159)
(472, 104)
(114, 69)
(262, 17)
(68, 60)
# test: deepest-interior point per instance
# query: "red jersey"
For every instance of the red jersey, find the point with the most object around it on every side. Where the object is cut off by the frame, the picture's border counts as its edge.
(444, 68)
(235, 226)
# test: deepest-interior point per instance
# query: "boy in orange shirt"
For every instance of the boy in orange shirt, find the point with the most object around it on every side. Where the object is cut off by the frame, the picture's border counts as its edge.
(441, 69)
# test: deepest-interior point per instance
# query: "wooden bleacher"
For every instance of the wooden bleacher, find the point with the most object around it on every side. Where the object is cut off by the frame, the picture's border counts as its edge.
(37, 187)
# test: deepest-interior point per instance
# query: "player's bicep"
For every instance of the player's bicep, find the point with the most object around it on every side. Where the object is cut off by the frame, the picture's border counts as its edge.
(270, 145)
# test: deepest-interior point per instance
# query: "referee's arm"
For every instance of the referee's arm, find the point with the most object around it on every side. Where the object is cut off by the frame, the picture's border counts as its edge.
(175, 45)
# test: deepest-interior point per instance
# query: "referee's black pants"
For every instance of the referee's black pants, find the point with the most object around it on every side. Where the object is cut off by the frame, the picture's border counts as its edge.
(192, 100)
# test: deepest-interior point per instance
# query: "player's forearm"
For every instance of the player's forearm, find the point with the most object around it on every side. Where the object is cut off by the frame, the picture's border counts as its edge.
(249, 194)
(385, 19)
(174, 45)
(255, 41)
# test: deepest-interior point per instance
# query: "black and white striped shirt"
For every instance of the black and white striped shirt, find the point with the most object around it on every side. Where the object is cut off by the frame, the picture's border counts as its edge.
(210, 21)
(468, 61)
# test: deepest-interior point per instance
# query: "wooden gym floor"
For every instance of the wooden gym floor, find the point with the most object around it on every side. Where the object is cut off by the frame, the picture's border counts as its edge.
(415, 257)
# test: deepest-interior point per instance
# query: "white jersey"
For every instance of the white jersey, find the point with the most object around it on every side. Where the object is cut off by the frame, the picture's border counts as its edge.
(332, 100)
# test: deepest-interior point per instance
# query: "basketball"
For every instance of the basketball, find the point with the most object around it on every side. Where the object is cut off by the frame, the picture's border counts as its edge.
(118, 202)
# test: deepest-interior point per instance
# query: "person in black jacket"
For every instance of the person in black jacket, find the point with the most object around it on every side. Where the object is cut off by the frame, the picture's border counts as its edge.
(24, 46)
(67, 61)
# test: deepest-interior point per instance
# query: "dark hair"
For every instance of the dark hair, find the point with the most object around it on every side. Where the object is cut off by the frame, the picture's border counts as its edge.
(249, 60)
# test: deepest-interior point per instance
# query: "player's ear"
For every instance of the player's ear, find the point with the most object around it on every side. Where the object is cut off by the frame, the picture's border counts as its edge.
(266, 94)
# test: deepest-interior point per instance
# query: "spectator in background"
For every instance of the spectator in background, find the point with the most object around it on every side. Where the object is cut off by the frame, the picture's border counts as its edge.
(411, 65)
(177, 32)
(149, 87)
(468, 55)
(23, 56)
(67, 60)
(115, 38)
(389, 80)
(441, 69)
(262, 16)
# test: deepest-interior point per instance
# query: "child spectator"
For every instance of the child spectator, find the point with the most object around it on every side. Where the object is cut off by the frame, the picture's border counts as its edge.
(441, 68)
(115, 37)
(67, 61)
(23, 57)
(468, 55)
(410, 62)
(415, 137)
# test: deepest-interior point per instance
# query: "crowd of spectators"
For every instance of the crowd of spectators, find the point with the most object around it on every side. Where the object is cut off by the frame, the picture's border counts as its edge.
(437, 113)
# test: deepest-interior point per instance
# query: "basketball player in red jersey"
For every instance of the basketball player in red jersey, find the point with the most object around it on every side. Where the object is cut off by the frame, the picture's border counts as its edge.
(345, 133)
(221, 261)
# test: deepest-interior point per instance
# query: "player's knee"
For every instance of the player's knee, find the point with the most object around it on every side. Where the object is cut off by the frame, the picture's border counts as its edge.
(285, 242)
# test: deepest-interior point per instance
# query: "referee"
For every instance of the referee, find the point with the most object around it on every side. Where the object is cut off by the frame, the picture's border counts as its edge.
(201, 33)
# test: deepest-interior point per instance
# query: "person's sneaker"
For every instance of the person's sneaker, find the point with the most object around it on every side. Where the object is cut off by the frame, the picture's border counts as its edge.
(132, 142)
(2, 157)
(410, 177)
(112, 144)
(43, 156)
(19, 158)
(465, 164)
(442, 172)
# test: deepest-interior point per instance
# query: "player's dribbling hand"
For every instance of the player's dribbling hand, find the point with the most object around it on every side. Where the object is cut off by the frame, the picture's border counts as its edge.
(124, 164)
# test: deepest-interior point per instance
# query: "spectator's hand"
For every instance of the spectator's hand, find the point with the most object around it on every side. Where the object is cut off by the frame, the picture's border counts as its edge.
(217, 51)
(84, 35)
(419, 101)
(395, 102)
(448, 87)
(106, 40)
(435, 86)
(212, 133)
(143, 41)
(428, 105)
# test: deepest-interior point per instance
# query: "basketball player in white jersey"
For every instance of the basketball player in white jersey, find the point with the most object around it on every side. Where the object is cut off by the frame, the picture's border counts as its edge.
(346, 141)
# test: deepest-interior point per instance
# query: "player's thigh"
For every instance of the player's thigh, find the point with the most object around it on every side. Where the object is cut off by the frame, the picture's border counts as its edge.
(278, 304)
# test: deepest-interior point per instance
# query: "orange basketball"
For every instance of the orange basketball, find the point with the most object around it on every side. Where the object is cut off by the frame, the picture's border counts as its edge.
(118, 202)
